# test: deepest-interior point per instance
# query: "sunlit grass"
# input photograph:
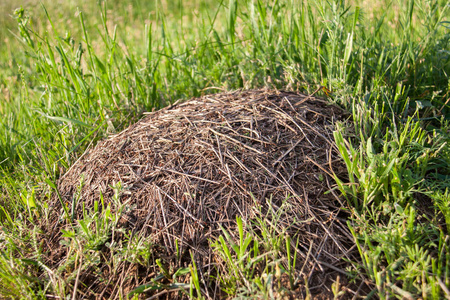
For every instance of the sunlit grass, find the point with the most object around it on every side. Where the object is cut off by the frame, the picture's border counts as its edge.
(75, 71)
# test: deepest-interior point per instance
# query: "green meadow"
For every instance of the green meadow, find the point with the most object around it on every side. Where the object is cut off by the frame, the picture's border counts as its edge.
(74, 72)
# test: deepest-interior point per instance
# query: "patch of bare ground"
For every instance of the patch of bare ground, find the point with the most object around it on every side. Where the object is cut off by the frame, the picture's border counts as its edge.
(190, 168)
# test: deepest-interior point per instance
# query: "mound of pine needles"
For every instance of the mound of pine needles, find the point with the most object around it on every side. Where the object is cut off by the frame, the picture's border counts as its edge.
(187, 171)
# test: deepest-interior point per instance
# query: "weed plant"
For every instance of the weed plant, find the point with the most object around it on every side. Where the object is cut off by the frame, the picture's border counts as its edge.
(71, 76)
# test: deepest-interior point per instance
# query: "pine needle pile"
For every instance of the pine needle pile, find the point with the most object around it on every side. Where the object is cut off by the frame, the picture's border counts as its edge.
(187, 171)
